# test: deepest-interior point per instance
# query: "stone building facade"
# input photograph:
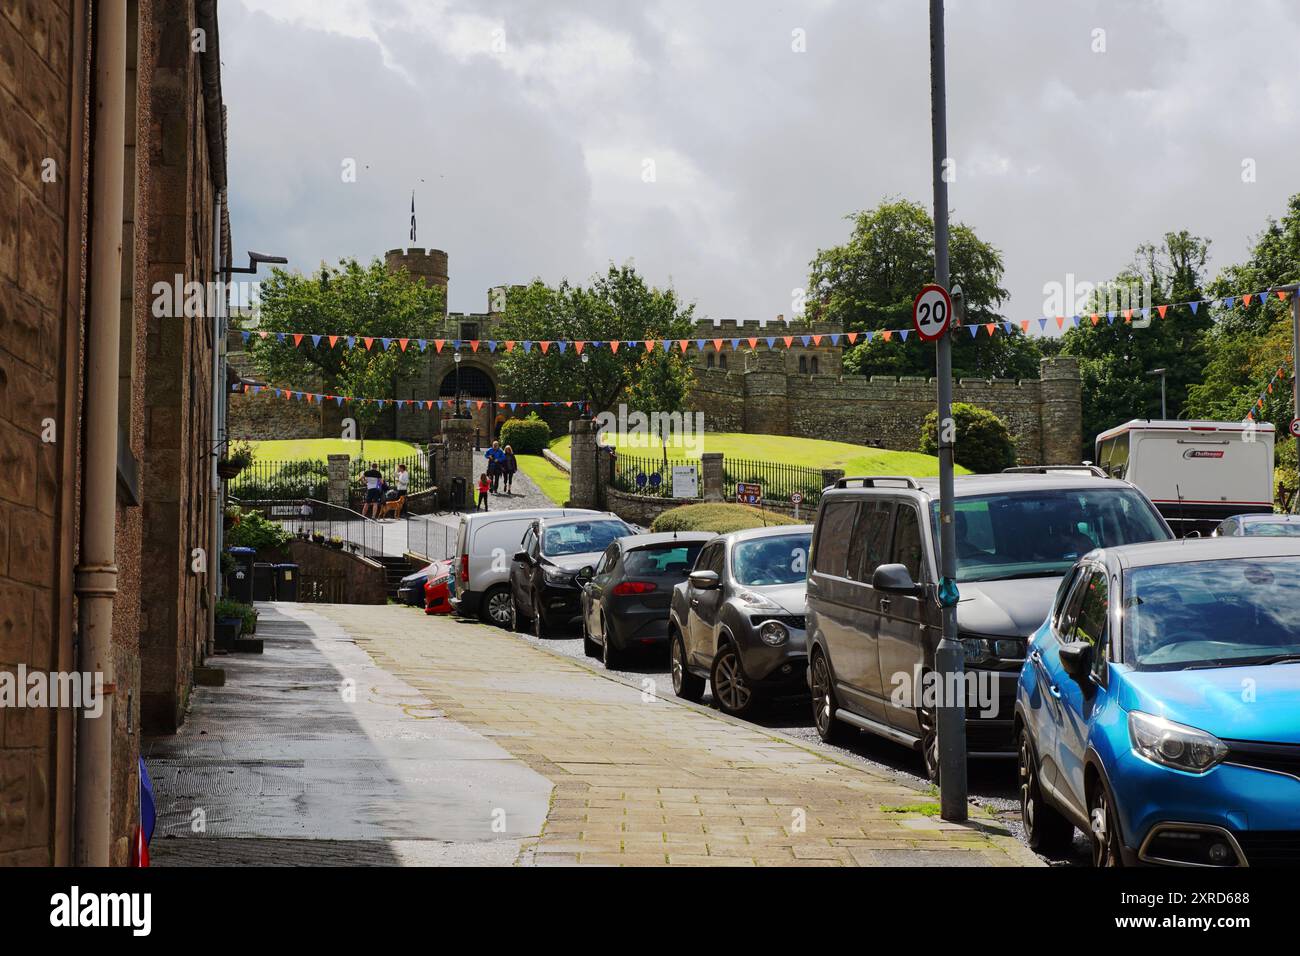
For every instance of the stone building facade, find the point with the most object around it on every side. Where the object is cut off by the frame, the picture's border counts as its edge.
(797, 389)
(53, 328)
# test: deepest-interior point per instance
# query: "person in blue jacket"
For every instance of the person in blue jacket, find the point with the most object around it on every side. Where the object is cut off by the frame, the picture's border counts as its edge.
(496, 459)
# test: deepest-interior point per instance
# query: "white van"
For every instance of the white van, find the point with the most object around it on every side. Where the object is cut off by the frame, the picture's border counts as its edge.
(1196, 473)
(486, 541)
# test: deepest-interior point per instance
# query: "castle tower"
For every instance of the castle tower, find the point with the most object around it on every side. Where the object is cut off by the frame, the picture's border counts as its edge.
(427, 265)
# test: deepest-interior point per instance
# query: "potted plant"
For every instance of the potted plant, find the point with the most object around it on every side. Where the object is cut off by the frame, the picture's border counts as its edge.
(229, 622)
(336, 543)
(318, 537)
(238, 457)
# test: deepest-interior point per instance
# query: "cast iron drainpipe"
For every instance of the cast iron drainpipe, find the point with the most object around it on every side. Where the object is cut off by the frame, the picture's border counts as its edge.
(96, 572)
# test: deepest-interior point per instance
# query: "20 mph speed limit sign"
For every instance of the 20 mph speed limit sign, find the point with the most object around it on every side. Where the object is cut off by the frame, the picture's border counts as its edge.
(931, 312)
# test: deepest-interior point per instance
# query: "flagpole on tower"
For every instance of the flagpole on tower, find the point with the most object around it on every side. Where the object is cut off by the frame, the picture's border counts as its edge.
(412, 217)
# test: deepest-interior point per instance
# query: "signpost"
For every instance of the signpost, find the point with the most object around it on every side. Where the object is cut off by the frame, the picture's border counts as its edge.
(932, 312)
(796, 499)
(686, 483)
(1295, 427)
(749, 494)
(949, 656)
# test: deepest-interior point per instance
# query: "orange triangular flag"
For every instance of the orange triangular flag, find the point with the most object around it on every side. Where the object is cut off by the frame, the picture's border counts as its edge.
(1095, 318)
(297, 339)
(1162, 309)
(682, 343)
(545, 345)
(473, 345)
(333, 339)
(402, 343)
(753, 343)
(989, 326)
(817, 340)
(788, 339)
(437, 344)
(649, 345)
(1024, 326)
(263, 334)
(1282, 294)
(1245, 300)
(510, 345)
(853, 337)
(368, 342)
(1128, 315)
(613, 346)
(717, 345)
(579, 344)
(887, 334)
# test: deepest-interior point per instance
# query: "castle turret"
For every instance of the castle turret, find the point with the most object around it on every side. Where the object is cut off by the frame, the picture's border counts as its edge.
(427, 265)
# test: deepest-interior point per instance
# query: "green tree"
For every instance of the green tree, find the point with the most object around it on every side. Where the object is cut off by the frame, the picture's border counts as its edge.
(1115, 358)
(618, 305)
(983, 441)
(870, 282)
(1247, 345)
(351, 300)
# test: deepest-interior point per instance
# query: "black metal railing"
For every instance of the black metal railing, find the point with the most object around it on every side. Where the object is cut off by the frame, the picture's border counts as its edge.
(420, 476)
(323, 523)
(272, 480)
(652, 477)
(779, 480)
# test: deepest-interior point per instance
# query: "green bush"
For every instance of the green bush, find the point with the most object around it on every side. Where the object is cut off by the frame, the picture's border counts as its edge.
(254, 531)
(526, 436)
(984, 443)
(228, 607)
(1285, 480)
(719, 517)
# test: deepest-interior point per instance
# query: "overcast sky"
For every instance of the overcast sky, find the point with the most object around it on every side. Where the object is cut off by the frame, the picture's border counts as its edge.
(527, 130)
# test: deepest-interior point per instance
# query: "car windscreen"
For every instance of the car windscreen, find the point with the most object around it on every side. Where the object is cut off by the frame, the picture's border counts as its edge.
(1271, 529)
(1030, 534)
(780, 559)
(1222, 613)
(579, 537)
(675, 558)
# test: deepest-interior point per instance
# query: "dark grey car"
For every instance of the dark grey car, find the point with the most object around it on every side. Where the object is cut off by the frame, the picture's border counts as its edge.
(626, 596)
(874, 622)
(738, 619)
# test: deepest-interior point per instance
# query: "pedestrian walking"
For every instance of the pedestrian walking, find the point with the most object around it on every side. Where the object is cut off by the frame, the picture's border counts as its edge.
(484, 486)
(509, 465)
(495, 456)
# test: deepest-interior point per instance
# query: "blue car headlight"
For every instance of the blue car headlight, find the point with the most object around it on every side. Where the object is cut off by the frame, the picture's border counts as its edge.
(1174, 745)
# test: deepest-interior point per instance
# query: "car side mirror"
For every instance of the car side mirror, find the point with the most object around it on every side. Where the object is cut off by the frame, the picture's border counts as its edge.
(585, 574)
(894, 578)
(1076, 659)
(521, 557)
(704, 580)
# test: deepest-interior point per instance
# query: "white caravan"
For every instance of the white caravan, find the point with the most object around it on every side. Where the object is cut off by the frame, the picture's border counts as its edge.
(1196, 473)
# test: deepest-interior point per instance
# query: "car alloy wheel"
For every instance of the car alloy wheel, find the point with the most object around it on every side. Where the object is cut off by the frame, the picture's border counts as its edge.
(500, 608)
(686, 685)
(1046, 831)
(729, 688)
(539, 626)
(1102, 828)
(823, 698)
(609, 655)
(929, 744)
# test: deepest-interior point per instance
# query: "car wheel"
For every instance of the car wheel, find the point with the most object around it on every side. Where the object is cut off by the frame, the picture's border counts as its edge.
(539, 623)
(612, 657)
(731, 690)
(1103, 827)
(824, 704)
(514, 614)
(686, 685)
(497, 607)
(1046, 831)
(929, 744)
(589, 647)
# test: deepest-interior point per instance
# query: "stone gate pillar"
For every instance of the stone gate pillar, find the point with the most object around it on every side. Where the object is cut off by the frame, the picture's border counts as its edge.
(458, 461)
(584, 472)
(1061, 410)
(711, 466)
(338, 480)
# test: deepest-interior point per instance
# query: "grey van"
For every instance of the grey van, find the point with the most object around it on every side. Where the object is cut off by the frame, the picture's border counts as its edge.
(480, 573)
(873, 618)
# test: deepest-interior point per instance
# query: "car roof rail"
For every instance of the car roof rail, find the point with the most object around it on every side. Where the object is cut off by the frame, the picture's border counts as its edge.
(1048, 469)
(869, 481)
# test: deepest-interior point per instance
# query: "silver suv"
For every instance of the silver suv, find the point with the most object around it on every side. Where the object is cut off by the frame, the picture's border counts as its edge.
(486, 541)
(873, 617)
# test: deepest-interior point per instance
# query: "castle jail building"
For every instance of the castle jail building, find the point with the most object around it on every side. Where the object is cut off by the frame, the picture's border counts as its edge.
(800, 390)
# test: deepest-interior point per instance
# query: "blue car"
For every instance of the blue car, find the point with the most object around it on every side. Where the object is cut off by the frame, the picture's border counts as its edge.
(1158, 709)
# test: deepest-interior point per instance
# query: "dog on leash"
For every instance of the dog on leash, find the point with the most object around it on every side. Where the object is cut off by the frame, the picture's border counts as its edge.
(392, 509)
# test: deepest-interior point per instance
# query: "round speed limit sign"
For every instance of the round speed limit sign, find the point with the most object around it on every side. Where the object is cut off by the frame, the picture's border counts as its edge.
(796, 499)
(1295, 427)
(931, 312)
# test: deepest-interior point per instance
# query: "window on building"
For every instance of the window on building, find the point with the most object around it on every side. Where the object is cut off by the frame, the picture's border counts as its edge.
(814, 365)
(803, 365)
(468, 331)
(708, 361)
(722, 360)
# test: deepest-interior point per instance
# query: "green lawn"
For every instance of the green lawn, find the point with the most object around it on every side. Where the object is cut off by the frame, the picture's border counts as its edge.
(805, 452)
(319, 449)
(553, 482)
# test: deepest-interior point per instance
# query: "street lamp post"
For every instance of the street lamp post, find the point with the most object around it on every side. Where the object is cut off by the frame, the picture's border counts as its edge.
(950, 656)
(456, 358)
(1164, 410)
(586, 387)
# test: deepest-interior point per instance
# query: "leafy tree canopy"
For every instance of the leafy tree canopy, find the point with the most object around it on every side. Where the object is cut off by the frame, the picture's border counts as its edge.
(617, 305)
(870, 282)
(349, 300)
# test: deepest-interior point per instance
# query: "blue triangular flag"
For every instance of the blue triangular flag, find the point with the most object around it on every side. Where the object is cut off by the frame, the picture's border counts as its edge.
(699, 344)
(315, 340)
(562, 344)
(352, 340)
(492, 345)
(902, 334)
(245, 335)
(1193, 306)
(735, 344)
(1042, 325)
(528, 346)
(771, 341)
(424, 344)
(974, 330)
(835, 338)
(805, 339)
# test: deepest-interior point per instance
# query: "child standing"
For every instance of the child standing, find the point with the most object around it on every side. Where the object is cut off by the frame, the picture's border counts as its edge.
(484, 486)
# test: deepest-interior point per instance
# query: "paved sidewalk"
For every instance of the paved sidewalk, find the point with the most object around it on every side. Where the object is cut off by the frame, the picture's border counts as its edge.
(312, 755)
(643, 780)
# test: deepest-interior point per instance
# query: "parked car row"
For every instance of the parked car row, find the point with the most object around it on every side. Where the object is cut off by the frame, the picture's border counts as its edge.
(1147, 687)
